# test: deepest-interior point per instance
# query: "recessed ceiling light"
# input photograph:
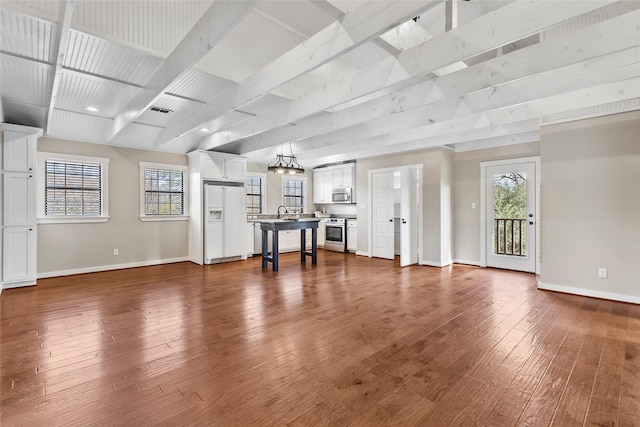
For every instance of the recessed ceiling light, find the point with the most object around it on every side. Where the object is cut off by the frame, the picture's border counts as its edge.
(93, 109)
(204, 130)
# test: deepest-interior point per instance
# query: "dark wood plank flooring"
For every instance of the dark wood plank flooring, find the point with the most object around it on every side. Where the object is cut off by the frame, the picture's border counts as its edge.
(351, 341)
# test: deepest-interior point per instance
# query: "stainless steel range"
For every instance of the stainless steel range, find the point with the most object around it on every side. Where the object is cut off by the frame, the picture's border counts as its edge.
(335, 234)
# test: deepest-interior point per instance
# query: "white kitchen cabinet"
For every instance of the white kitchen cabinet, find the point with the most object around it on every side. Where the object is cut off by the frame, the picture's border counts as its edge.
(18, 154)
(321, 233)
(289, 240)
(328, 178)
(222, 167)
(352, 235)
(321, 186)
(19, 231)
(19, 199)
(19, 256)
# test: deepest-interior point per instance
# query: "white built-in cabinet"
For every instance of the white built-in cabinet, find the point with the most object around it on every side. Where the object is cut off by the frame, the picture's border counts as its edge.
(330, 177)
(210, 166)
(352, 235)
(289, 240)
(19, 231)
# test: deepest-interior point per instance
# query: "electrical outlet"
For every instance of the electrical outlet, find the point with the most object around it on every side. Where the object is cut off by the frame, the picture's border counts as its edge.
(473, 205)
(116, 251)
(602, 273)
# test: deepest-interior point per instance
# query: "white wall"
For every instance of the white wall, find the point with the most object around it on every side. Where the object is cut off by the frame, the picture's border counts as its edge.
(466, 220)
(70, 248)
(590, 204)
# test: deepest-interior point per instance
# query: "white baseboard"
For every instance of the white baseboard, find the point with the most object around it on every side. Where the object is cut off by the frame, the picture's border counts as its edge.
(589, 293)
(17, 285)
(467, 262)
(435, 263)
(362, 253)
(99, 268)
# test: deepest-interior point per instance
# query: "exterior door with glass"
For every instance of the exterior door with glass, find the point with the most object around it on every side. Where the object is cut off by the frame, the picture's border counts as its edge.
(510, 215)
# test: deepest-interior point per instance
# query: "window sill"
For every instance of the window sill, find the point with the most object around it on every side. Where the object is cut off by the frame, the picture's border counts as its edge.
(72, 220)
(149, 218)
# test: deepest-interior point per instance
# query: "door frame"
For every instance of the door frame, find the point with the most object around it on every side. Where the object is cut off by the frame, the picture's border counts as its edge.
(419, 207)
(483, 204)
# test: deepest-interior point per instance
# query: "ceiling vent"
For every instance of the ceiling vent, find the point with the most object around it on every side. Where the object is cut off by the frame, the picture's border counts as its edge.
(161, 110)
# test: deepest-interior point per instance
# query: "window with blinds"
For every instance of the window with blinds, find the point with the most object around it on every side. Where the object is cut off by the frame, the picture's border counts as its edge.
(164, 191)
(293, 194)
(254, 194)
(73, 188)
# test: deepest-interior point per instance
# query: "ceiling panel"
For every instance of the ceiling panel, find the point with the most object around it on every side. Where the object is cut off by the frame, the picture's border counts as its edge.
(138, 135)
(199, 85)
(27, 36)
(153, 25)
(105, 58)
(255, 42)
(78, 91)
(301, 16)
(78, 126)
(24, 81)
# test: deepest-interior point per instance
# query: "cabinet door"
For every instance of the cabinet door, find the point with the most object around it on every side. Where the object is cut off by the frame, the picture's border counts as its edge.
(19, 199)
(348, 176)
(234, 169)
(352, 238)
(19, 254)
(319, 178)
(337, 178)
(321, 234)
(211, 167)
(18, 152)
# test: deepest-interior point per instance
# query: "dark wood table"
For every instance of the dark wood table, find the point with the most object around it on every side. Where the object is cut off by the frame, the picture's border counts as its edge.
(277, 225)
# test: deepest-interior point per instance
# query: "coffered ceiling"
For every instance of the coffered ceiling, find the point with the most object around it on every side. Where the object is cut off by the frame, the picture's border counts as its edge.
(334, 80)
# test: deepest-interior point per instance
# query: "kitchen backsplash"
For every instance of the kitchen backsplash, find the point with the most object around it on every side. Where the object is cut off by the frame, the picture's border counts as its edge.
(340, 209)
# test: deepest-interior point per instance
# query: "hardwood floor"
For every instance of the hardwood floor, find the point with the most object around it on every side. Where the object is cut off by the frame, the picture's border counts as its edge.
(351, 341)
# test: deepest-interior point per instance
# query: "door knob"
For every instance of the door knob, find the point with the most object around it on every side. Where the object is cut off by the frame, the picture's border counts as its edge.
(530, 222)
(391, 220)
(530, 215)
(404, 221)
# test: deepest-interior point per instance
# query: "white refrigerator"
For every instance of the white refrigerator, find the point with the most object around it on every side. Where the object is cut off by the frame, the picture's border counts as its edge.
(225, 221)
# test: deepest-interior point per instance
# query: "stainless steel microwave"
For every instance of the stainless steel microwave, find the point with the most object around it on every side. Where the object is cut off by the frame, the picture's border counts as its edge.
(341, 195)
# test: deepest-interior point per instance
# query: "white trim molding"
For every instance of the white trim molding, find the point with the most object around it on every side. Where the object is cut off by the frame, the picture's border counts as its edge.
(589, 293)
(435, 263)
(99, 268)
(483, 204)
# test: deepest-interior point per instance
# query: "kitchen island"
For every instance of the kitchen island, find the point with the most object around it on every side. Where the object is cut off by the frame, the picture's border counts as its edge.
(276, 225)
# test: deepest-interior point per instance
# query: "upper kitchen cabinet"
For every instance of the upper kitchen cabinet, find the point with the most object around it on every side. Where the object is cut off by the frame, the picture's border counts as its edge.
(321, 186)
(333, 177)
(221, 166)
(18, 150)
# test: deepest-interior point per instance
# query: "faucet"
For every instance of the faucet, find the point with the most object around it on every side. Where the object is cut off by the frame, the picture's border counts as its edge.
(285, 210)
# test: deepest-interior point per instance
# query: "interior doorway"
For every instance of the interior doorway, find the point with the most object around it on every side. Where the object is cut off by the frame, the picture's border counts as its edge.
(509, 211)
(396, 212)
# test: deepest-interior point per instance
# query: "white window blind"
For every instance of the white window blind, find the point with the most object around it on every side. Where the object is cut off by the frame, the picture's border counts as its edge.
(164, 191)
(73, 188)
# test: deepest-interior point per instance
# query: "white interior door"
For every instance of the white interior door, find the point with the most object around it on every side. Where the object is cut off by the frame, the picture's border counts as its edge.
(382, 215)
(409, 217)
(511, 216)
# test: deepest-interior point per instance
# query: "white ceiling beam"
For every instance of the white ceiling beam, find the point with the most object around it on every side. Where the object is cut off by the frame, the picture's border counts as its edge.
(451, 14)
(509, 23)
(62, 42)
(582, 98)
(583, 45)
(458, 113)
(210, 29)
(354, 29)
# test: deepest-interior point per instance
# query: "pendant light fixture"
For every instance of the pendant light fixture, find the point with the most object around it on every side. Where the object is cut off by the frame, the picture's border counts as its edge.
(286, 164)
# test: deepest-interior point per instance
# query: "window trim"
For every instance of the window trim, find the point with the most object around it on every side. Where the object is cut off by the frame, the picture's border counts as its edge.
(263, 189)
(41, 217)
(185, 189)
(305, 192)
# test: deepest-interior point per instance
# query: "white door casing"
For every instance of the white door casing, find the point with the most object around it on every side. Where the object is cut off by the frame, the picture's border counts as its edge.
(492, 256)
